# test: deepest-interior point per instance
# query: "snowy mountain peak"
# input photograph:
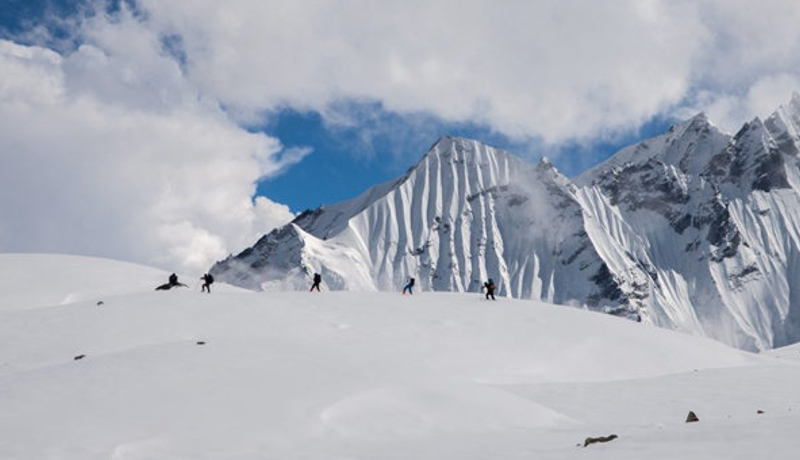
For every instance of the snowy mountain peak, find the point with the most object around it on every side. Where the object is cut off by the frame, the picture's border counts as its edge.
(694, 229)
(754, 159)
(468, 152)
(788, 116)
(688, 146)
(784, 126)
(449, 148)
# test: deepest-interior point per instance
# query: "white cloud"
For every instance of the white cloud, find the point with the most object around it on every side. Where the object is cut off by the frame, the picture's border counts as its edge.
(556, 70)
(110, 151)
(762, 98)
(553, 69)
(769, 92)
(750, 63)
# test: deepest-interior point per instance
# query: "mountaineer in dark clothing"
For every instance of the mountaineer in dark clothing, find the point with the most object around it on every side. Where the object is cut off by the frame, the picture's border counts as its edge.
(317, 280)
(208, 280)
(490, 287)
(409, 287)
(173, 282)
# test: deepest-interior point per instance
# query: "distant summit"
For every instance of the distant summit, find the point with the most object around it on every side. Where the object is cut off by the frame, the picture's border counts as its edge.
(695, 230)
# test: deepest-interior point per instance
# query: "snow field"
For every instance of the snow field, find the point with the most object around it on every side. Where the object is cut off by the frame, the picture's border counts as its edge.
(349, 375)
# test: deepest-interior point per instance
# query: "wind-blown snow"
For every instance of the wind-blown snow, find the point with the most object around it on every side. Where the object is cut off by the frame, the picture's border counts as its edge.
(297, 375)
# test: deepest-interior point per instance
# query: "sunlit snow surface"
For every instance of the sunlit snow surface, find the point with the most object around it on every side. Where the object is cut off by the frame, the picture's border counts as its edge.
(346, 375)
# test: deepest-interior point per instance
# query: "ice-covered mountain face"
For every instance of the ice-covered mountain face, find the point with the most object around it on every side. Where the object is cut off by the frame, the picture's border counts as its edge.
(711, 223)
(465, 213)
(694, 230)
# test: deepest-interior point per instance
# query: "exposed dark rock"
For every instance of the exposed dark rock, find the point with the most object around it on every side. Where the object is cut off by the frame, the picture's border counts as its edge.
(692, 417)
(723, 233)
(591, 440)
(681, 224)
(307, 216)
(651, 185)
(771, 173)
(240, 269)
(571, 258)
(749, 272)
(609, 287)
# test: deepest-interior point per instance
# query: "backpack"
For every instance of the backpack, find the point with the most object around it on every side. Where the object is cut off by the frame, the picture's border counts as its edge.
(411, 281)
(209, 278)
(317, 277)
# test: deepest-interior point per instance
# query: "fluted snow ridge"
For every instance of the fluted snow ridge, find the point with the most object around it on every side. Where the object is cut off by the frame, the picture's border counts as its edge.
(466, 212)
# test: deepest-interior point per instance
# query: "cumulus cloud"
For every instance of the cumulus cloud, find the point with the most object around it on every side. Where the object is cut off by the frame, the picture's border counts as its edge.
(749, 63)
(108, 150)
(554, 70)
(762, 97)
(549, 69)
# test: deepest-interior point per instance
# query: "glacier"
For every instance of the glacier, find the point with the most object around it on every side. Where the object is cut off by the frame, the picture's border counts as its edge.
(694, 230)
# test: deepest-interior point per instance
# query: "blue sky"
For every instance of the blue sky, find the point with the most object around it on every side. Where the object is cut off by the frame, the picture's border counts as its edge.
(179, 132)
(342, 164)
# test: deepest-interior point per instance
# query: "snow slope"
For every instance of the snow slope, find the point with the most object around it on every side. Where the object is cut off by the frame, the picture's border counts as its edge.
(40, 280)
(345, 375)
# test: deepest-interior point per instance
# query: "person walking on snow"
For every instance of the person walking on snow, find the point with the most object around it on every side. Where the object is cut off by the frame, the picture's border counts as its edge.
(207, 281)
(317, 280)
(490, 287)
(409, 287)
